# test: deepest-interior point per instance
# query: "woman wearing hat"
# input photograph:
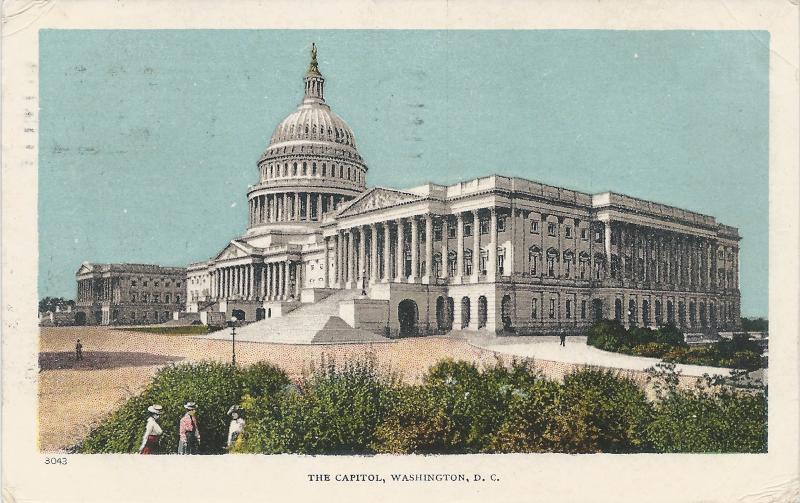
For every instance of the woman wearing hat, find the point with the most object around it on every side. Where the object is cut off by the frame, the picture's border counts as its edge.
(237, 424)
(189, 433)
(152, 431)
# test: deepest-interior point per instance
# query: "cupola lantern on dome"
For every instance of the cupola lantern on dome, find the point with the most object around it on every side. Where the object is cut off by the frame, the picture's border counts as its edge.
(311, 165)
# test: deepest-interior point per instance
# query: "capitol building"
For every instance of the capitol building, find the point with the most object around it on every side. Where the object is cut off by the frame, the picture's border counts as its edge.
(491, 254)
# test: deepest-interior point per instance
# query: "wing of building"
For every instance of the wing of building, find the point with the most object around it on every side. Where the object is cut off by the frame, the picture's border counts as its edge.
(495, 253)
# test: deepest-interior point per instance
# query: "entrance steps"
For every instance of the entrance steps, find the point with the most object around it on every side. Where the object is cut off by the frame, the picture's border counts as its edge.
(317, 323)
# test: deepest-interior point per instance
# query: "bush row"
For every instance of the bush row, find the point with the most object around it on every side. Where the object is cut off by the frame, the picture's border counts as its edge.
(668, 343)
(456, 408)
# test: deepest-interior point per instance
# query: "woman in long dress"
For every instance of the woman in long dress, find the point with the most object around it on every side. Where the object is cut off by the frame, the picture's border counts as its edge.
(237, 425)
(152, 431)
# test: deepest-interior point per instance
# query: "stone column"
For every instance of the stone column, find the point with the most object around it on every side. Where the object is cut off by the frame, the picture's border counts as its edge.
(415, 249)
(327, 265)
(491, 269)
(373, 253)
(351, 259)
(339, 259)
(282, 279)
(387, 253)
(476, 250)
(298, 280)
(445, 262)
(362, 256)
(400, 255)
(459, 248)
(286, 279)
(429, 278)
(319, 207)
(251, 284)
(607, 230)
(308, 206)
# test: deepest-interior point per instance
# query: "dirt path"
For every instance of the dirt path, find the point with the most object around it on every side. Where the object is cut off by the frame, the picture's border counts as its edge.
(74, 396)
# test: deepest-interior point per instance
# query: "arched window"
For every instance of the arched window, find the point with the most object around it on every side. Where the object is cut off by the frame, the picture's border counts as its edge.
(534, 259)
(294, 169)
(285, 169)
(632, 313)
(618, 310)
(324, 169)
(304, 170)
(646, 312)
(658, 313)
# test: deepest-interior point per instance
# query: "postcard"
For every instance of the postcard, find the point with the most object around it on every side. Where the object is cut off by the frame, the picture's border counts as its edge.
(443, 251)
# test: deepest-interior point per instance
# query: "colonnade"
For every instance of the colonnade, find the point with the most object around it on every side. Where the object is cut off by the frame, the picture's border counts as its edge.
(95, 289)
(292, 207)
(269, 281)
(390, 251)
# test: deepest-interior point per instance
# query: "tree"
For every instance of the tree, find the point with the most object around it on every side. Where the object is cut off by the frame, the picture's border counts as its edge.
(50, 304)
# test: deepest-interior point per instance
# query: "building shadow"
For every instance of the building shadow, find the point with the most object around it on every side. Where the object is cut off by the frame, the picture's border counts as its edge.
(95, 360)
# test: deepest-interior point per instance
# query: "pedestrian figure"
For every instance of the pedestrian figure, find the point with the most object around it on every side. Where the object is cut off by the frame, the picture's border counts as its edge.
(152, 431)
(563, 338)
(188, 431)
(237, 424)
(79, 350)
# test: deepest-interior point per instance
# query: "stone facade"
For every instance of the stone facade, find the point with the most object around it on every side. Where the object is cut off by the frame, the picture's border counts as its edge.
(494, 253)
(117, 294)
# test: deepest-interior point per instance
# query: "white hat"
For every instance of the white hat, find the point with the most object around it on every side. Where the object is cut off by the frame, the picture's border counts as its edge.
(234, 408)
(155, 409)
(190, 406)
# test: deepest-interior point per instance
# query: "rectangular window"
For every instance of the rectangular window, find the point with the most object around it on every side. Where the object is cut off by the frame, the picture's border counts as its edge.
(551, 229)
(534, 269)
(451, 232)
(552, 308)
(468, 266)
(585, 234)
(133, 297)
(583, 309)
(146, 283)
(501, 258)
(133, 282)
(598, 237)
(483, 262)
(177, 299)
(467, 230)
(569, 309)
(484, 227)
(534, 227)
(534, 308)
(501, 224)
(178, 284)
(568, 231)
(614, 238)
(167, 298)
(437, 233)
(156, 297)
(155, 283)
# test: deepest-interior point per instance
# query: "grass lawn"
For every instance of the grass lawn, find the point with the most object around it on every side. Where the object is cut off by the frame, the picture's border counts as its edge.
(187, 330)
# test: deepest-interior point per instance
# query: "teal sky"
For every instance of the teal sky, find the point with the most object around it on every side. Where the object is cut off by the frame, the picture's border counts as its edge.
(149, 139)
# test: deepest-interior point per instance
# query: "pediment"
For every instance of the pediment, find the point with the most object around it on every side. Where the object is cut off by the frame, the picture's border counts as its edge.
(233, 250)
(85, 268)
(377, 198)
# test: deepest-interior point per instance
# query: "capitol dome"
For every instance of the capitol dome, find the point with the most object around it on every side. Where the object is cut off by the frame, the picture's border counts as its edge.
(311, 165)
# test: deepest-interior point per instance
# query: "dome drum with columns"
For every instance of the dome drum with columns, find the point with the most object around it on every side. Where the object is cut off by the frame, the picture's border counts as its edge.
(310, 167)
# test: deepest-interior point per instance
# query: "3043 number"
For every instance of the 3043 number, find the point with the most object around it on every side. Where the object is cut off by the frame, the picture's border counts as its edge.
(55, 461)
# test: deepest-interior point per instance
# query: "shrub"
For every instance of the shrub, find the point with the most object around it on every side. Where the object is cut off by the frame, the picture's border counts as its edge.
(607, 335)
(638, 336)
(213, 386)
(336, 411)
(671, 335)
(722, 420)
(747, 360)
(530, 422)
(652, 349)
(599, 411)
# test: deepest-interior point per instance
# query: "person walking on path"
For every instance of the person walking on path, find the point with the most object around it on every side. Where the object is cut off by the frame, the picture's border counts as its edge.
(237, 425)
(152, 431)
(188, 431)
(78, 350)
(563, 338)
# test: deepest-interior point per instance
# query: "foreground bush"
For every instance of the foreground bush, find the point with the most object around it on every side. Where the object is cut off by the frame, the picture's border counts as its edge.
(335, 412)
(708, 418)
(213, 386)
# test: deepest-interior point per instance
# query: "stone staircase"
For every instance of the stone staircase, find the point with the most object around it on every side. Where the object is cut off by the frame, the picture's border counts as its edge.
(317, 323)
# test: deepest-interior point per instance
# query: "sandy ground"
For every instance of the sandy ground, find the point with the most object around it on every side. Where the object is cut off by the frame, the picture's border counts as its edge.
(74, 396)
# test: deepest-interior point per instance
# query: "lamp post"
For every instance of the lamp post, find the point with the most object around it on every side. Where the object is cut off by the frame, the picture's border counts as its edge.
(233, 340)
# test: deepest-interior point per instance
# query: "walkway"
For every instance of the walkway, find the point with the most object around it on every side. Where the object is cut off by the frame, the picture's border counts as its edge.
(577, 351)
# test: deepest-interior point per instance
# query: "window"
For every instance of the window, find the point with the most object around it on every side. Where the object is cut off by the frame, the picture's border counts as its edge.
(437, 232)
(552, 308)
(133, 297)
(451, 232)
(501, 259)
(452, 263)
(167, 298)
(551, 229)
(155, 283)
(484, 227)
(133, 282)
(534, 256)
(468, 262)
(598, 237)
(534, 308)
(585, 234)
(552, 257)
(484, 261)
(568, 231)
(145, 283)
(467, 230)
(568, 312)
(501, 224)
(145, 297)
(177, 299)
(583, 309)
(156, 297)
(133, 315)
(568, 259)
(178, 284)
(534, 227)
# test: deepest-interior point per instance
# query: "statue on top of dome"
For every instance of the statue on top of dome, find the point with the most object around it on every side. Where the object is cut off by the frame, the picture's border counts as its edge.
(313, 68)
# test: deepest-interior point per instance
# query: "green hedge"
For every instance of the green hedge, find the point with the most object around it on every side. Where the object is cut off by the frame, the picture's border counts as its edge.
(456, 408)
(668, 344)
